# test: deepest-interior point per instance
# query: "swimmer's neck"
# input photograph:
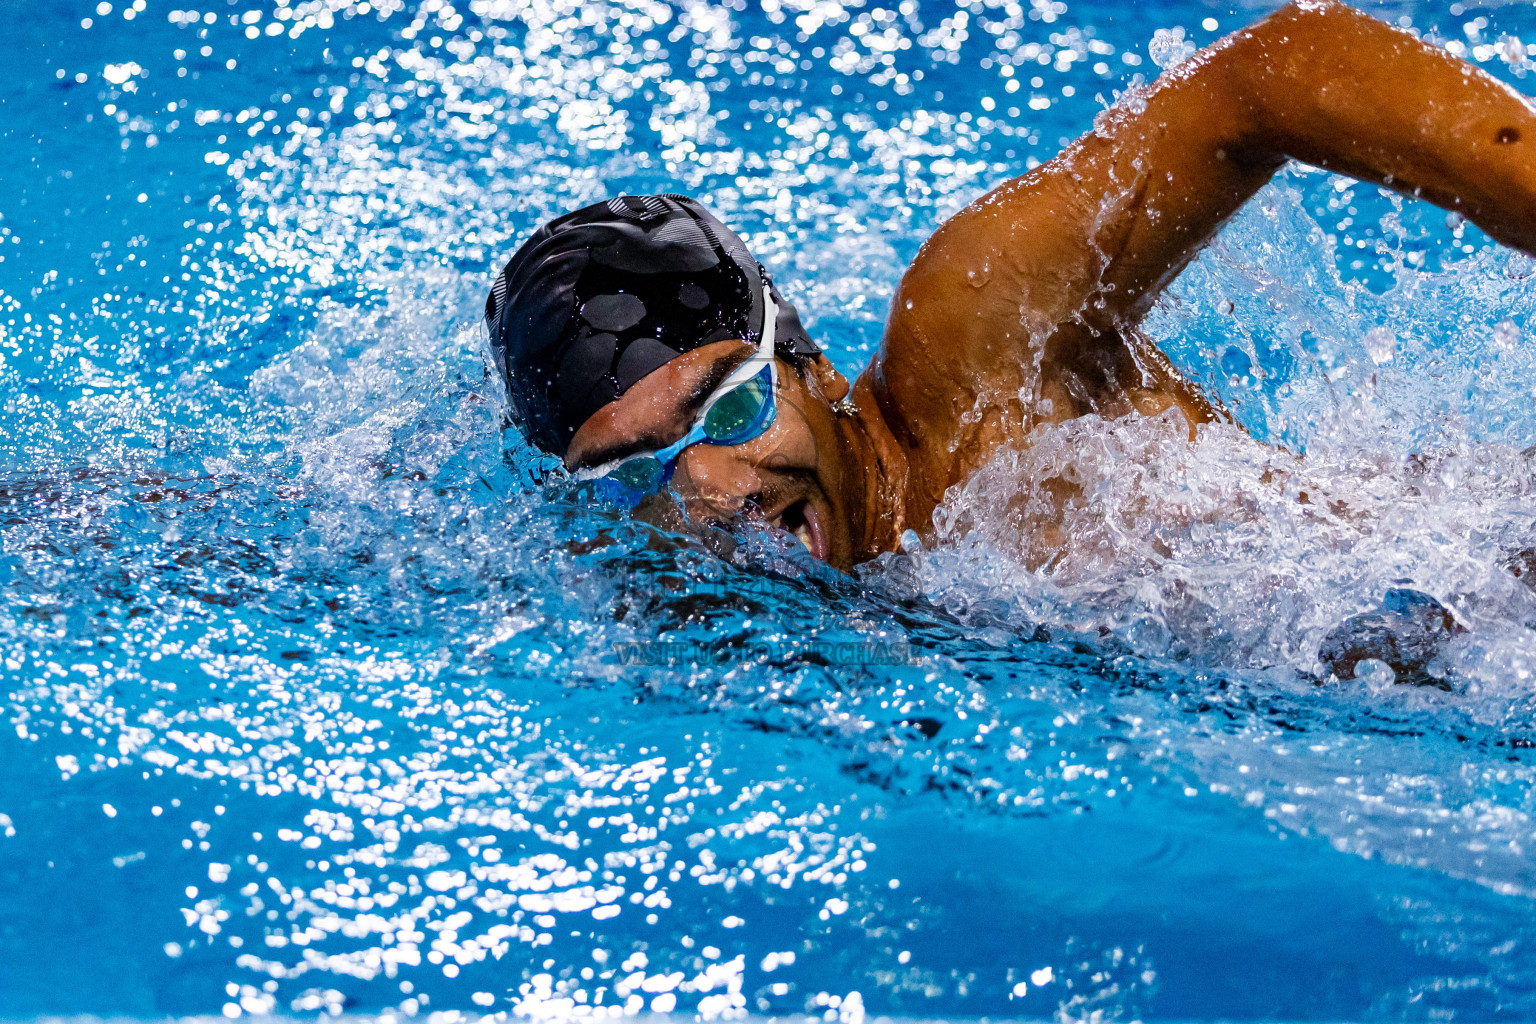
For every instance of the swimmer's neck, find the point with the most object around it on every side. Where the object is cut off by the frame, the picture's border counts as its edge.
(875, 477)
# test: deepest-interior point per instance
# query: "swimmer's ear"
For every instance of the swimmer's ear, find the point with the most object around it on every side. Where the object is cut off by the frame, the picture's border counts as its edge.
(832, 385)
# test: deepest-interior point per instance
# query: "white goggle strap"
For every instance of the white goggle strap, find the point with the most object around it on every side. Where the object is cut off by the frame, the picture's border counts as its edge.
(754, 365)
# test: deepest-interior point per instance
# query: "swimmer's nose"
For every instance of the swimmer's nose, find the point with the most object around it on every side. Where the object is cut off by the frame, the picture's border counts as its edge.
(715, 481)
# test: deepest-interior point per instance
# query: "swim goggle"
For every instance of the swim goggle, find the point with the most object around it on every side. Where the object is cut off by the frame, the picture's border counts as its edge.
(737, 411)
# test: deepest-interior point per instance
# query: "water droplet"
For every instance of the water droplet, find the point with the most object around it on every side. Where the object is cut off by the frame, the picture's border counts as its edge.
(1506, 335)
(1511, 50)
(1169, 47)
(1380, 343)
(978, 276)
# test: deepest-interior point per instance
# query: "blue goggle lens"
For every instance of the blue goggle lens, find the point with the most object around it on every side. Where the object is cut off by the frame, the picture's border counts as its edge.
(742, 413)
(632, 481)
(644, 474)
(738, 416)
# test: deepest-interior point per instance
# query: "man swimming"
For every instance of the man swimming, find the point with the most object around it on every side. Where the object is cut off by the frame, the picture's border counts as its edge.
(643, 345)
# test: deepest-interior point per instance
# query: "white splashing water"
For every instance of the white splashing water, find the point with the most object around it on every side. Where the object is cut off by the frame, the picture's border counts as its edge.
(1405, 418)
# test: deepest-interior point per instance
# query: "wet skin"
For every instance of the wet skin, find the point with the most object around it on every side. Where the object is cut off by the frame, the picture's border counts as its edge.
(807, 473)
(1023, 308)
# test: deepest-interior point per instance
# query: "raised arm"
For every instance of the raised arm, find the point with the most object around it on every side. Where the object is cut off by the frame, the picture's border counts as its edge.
(1040, 283)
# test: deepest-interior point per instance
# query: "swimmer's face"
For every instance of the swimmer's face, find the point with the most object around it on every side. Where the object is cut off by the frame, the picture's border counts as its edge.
(791, 474)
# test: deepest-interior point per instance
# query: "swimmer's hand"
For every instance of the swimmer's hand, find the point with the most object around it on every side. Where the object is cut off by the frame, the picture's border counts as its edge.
(1407, 634)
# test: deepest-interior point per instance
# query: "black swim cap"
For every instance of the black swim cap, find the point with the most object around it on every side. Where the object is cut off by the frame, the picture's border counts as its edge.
(599, 298)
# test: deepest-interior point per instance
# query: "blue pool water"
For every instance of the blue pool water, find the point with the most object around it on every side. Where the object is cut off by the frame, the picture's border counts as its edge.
(315, 704)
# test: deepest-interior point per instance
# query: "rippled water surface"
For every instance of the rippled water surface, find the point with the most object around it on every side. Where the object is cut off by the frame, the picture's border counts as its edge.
(315, 703)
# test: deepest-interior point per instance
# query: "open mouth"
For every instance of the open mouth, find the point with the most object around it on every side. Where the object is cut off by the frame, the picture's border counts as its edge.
(801, 520)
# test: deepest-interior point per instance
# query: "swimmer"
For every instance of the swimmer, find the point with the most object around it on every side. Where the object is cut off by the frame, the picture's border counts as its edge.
(642, 344)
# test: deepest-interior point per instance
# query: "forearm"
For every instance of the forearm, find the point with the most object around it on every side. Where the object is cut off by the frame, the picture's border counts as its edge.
(1335, 88)
(1042, 279)
(1317, 82)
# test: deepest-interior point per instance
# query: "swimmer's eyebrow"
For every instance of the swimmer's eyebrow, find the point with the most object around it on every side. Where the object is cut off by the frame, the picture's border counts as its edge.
(654, 440)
